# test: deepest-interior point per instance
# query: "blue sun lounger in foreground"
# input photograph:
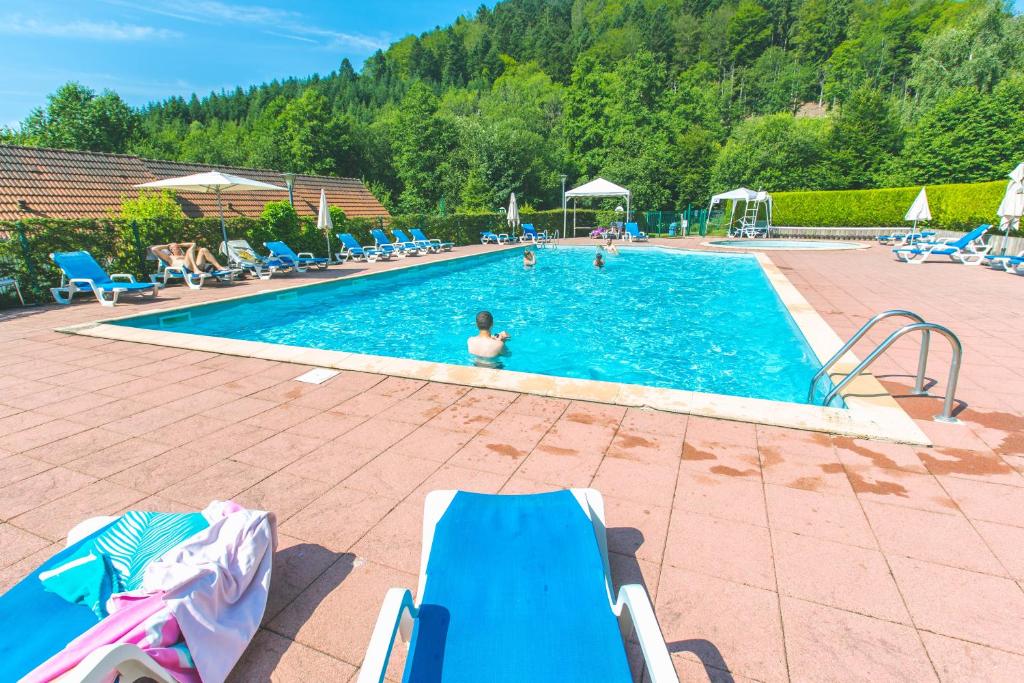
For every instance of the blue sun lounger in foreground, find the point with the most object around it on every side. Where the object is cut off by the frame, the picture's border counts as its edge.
(969, 249)
(300, 262)
(81, 273)
(633, 233)
(515, 588)
(438, 244)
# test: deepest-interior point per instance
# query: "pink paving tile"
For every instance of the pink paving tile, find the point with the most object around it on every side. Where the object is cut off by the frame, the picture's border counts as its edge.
(336, 614)
(594, 414)
(660, 450)
(157, 504)
(560, 466)
(981, 608)
(636, 529)
(31, 401)
(899, 487)
(491, 455)
(242, 409)
(518, 428)
(461, 478)
(1007, 542)
(324, 397)
(391, 475)
(396, 540)
(981, 466)
(235, 438)
(841, 576)
(22, 568)
(98, 410)
(297, 564)
(725, 497)
(862, 452)
(11, 425)
(14, 468)
(488, 399)
(951, 435)
(729, 550)
(397, 386)
(462, 418)
(957, 660)
(17, 544)
(578, 437)
(988, 502)
(287, 391)
(271, 657)
(440, 393)
(826, 644)
(193, 402)
(638, 482)
(39, 489)
(647, 421)
(53, 520)
(339, 518)
(431, 443)
(281, 417)
(120, 456)
(367, 405)
(172, 466)
(627, 570)
(278, 451)
(331, 462)
(944, 539)
(728, 623)
(833, 518)
(283, 494)
(379, 433)
(538, 406)
(192, 428)
(415, 411)
(146, 421)
(356, 381)
(220, 481)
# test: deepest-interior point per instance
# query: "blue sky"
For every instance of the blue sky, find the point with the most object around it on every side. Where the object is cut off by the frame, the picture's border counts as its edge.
(150, 49)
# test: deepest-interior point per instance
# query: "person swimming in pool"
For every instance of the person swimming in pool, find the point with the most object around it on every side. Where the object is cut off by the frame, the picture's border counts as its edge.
(599, 260)
(529, 259)
(611, 248)
(484, 344)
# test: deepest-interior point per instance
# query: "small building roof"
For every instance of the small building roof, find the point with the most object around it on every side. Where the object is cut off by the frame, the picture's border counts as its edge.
(38, 182)
(598, 187)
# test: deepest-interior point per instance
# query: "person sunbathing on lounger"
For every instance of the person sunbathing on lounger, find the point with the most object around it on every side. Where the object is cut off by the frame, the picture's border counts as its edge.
(196, 259)
(484, 344)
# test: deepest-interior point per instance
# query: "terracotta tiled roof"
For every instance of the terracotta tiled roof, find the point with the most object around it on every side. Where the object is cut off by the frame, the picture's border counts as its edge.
(36, 182)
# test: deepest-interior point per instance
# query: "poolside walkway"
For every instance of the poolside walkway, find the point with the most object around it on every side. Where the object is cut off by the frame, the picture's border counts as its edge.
(770, 554)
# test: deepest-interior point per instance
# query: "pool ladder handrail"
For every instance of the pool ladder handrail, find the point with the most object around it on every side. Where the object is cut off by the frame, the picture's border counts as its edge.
(919, 325)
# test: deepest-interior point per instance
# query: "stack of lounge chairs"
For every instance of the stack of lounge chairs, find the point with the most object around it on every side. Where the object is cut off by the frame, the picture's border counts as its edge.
(969, 249)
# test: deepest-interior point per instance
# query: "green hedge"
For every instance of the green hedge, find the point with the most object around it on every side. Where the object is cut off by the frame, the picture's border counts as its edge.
(463, 228)
(954, 207)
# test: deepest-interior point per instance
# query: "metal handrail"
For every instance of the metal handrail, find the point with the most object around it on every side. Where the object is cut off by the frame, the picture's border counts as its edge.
(922, 359)
(926, 328)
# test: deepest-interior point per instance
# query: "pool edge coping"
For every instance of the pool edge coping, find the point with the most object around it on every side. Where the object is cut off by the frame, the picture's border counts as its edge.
(755, 250)
(871, 411)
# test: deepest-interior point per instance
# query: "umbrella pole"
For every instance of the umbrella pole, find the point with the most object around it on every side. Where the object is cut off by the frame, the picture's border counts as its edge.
(327, 234)
(223, 227)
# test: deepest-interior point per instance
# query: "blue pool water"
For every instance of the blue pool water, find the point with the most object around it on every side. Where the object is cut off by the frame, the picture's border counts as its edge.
(657, 317)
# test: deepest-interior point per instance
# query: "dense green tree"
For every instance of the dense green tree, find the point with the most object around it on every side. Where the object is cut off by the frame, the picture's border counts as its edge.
(865, 137)
(420, 142)
(777, 152)
(75, 117)
(749, 32)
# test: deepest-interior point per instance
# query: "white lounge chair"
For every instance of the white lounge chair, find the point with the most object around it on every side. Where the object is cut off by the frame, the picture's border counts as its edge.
(970, 249)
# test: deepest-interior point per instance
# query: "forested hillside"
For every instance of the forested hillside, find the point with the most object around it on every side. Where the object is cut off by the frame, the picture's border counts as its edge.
(673, 98)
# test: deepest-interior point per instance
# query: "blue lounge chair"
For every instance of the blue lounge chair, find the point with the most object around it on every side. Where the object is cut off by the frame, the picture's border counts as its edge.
(81, 273)
(904, 238)
(1005, 262)
(969, 249)
(531, 235)
(422, 245)
(438, 244)
(633, 233)
(393, 248)
(516, 588)
(488, 237)
(351, 249)
(241, 255)
(300, 262)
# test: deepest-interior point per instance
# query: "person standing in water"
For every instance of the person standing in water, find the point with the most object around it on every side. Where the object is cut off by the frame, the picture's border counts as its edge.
(599, 260)
(485, 344)
(529, 259)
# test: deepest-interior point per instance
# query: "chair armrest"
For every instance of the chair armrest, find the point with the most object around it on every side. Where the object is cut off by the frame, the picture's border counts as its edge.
(633, 598)
(396, 615)
(305, 254)
(124, 658)
(130, 278)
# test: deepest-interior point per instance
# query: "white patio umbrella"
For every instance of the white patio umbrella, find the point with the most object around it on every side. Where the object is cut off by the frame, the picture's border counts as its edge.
(1012, 206)
(919, 210)
(216, 182)
(512, 215)
(323, 220)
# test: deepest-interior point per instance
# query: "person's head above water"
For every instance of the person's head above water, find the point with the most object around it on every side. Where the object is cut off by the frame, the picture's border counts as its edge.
(484, 321)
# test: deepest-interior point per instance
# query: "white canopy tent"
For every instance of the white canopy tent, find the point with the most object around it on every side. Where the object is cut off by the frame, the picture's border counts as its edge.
(598, 187)
(754, 200)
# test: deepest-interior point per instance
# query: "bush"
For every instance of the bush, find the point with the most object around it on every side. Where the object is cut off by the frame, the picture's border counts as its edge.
(954, 207)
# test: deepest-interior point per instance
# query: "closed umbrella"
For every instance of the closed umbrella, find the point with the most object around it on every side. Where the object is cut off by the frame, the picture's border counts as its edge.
(919, 210)
(1012, 206)
(323, 220)
(513, 213)
(216, 182)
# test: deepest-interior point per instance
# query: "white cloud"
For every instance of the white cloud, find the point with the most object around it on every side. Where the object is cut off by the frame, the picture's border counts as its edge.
(89, 30)
(273, 21)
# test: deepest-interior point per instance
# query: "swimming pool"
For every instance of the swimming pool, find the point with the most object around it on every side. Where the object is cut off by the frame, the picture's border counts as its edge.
(655, 317)
(782, 245)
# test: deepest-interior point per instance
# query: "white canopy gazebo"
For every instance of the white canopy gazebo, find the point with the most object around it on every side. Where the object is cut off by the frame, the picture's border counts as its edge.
(598, 187)
(754, 199)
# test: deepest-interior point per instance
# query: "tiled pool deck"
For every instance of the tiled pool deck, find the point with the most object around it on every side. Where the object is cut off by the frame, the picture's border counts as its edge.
(770, 554)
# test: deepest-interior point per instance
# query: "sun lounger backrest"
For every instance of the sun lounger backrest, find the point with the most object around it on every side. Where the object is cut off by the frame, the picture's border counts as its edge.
(380, 237)
(516, 583)
(80, 264)
(529, 229)
(970, 237)
(418, 234)
(632, 228)
(349, 241)
(400, 235)
(281, 249)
